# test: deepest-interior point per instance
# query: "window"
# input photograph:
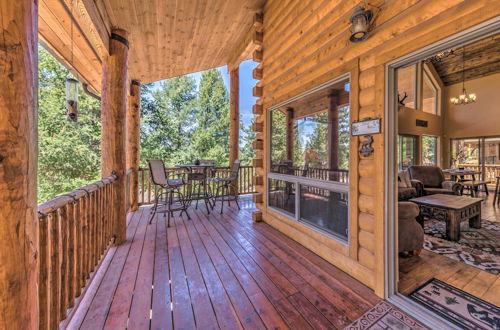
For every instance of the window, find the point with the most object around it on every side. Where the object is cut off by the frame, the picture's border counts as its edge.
(407, 77)
(429, 150)
(429, 94)
(309, 158)
(407, 151)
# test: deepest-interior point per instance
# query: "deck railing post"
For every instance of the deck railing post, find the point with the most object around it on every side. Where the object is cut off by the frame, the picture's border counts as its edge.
(133, 141)
(18, 164)
(113, 114)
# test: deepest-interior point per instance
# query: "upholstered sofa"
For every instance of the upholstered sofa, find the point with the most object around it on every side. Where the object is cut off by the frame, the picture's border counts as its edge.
(432, 180)
(410, 232)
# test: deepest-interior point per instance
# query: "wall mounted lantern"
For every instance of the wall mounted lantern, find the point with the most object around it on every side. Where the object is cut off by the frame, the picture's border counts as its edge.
(360, 24)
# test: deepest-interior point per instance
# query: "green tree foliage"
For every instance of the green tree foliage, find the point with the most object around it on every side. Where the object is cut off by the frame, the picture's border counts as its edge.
(247, 152)
(211, 140)
(69, 152)
(168, 121)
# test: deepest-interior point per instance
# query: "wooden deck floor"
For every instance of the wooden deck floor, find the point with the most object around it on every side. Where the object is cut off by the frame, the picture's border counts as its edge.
(217, 271)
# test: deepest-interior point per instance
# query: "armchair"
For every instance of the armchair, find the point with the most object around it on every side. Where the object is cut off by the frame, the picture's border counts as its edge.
(408, 188)
(410, 232)
(433, 181)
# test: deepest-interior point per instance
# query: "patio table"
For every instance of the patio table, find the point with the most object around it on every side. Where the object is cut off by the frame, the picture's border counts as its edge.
(198, 173)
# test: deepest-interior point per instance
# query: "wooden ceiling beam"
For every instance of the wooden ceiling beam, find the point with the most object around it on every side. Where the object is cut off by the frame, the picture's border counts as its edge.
(75, 33)
(249, 43)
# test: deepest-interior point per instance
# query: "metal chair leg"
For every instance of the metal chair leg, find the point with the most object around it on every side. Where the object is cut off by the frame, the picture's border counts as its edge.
(155, 207)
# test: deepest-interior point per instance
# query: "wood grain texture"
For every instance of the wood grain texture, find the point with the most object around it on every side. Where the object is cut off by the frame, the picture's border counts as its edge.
(234, 114)
(18, 164)
(305, 48)
(113, 116)
(133, 140)
(218, 271)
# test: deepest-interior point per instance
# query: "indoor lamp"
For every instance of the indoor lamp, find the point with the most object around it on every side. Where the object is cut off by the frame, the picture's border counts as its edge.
(464, 98)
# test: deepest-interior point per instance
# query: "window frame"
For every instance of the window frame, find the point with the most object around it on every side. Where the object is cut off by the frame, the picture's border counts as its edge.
(436, 151)
(297, 181)
(427, 74)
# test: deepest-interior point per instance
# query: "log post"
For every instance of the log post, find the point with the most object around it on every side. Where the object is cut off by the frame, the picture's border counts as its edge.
(289, 134)
(113, 114)
(234, 114)
(133, 140)
(18, 164)
(333, 135)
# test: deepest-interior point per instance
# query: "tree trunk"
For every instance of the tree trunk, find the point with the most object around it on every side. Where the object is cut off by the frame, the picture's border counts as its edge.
(18, 164)
(113, 114)
(133, 141)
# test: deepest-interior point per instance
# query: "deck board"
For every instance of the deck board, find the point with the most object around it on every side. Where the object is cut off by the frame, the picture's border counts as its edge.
(218, 271)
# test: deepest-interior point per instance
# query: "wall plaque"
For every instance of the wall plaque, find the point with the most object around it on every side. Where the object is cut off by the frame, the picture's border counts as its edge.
(366, 127)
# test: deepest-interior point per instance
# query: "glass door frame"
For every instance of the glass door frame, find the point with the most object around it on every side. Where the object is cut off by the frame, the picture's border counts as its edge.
(391, 262)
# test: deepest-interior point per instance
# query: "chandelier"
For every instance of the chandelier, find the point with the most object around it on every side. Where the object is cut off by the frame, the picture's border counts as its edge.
(464, 98)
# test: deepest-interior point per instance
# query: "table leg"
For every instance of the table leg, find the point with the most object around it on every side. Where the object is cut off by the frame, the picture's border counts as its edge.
(475, 222)
(453, 226)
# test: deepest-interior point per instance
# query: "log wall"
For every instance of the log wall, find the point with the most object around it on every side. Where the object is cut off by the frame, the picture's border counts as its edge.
(306, 43)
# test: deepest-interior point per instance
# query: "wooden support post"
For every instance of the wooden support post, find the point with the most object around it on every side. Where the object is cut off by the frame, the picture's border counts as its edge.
(133, 140)
(333, 135)
(113, 112)
(289, 134)
(234, 115)
(18, 164)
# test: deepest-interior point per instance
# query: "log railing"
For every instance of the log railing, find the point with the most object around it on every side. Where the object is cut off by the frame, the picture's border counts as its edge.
(75, 232)
(490, 172)
(147, 190)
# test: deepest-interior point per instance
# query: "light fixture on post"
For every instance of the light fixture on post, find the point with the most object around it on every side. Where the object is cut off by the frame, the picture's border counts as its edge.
(71, 86)
(360, 24)
(464, 98)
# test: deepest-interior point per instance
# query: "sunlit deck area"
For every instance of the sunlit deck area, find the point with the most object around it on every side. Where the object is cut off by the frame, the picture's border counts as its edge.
(217, 271)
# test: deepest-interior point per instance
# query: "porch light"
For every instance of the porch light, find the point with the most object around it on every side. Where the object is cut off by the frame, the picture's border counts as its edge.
(464, 98)
(360, 24)
(71, 99)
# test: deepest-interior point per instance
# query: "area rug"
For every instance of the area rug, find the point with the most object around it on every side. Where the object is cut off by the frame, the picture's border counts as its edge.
(385, 316)
(479, 248)
(457, 306)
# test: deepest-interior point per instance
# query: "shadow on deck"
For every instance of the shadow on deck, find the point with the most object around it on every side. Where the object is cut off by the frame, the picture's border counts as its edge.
(217, 271)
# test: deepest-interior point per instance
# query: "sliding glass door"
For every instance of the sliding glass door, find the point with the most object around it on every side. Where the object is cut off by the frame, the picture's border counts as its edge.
(481, 154)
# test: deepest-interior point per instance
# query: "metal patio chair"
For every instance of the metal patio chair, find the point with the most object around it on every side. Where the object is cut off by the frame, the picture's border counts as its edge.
(168, 192)
(226, 189)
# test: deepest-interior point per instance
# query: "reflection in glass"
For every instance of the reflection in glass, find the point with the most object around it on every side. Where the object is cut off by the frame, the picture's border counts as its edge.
(324, 209)
(282, 195)
(465, 152)
(310, 136)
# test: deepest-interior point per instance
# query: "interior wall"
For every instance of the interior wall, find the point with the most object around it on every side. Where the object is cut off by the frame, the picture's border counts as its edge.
(306, 43)
(481, 118)
(407, 119)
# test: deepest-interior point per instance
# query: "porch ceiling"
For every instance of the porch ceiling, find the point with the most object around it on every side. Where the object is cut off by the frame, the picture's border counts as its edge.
(167, 38)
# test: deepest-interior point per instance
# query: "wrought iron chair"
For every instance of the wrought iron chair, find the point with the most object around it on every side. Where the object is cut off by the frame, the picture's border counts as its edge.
(226, 189)
(167, 189)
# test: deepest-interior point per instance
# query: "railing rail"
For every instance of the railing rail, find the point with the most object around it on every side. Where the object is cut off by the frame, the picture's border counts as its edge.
(75, 230)
(489, 172)
(147, 190)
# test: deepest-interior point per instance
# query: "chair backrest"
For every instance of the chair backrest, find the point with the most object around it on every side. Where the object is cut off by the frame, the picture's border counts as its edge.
(430, 176)
(235, 169)
(157, 172)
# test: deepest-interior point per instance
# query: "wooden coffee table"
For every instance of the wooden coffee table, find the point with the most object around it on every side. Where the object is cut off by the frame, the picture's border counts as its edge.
(452, 210)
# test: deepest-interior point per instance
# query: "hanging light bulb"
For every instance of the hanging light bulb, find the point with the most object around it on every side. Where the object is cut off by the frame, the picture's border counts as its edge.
(71, 99)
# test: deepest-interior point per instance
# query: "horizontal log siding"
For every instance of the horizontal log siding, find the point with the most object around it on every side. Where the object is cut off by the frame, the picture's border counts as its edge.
(306, 44)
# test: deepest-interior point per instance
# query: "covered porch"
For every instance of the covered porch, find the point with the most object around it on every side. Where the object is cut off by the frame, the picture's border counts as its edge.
(216, 271)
